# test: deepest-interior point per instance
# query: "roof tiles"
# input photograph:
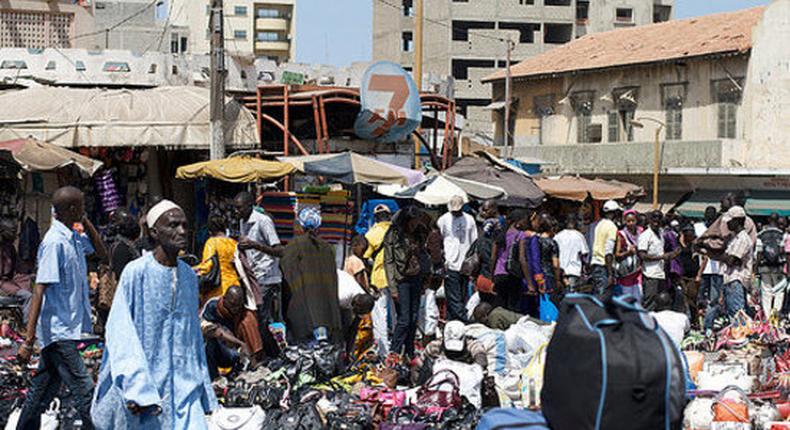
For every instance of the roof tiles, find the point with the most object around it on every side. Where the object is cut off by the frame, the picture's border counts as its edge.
(672, 40)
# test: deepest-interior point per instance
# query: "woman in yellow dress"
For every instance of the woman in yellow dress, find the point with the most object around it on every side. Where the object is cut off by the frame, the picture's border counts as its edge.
(225, 248)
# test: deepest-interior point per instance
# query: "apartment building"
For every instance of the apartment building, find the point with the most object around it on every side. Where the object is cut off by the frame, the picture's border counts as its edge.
(463, 38)
(260, 28)
(142, 30)
(43, 24)
(714, 89)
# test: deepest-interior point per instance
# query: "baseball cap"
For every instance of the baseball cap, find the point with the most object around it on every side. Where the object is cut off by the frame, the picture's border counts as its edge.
(733, 213)
(456, 203)
(454, 336)
(611, 206)
(381, 208)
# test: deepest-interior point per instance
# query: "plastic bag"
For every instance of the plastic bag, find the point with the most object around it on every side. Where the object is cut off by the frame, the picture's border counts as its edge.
(548, 312)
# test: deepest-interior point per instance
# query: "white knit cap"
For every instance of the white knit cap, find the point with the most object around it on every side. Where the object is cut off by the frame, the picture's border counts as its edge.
(158, 210)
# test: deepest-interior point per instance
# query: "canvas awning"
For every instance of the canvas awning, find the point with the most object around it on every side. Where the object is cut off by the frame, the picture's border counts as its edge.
(578, 189)
(173, 117)
(440, 188)
(521, 190)
(766, 203)
(37, 156)
(236, 169)
(695, 206)
(352, 168)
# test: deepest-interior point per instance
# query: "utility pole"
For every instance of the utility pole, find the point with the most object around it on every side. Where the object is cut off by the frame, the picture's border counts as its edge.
(418, 21)
(217, 103)
(508, 97)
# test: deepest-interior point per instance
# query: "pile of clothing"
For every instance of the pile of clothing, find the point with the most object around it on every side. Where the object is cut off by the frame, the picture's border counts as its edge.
(740, 375)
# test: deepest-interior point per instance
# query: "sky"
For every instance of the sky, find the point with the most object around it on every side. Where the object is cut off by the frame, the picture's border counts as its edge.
(339, 32)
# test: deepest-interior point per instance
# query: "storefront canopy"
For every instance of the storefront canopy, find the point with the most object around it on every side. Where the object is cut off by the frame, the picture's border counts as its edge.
(236, 169)
(352, 168)
(440, 188)
(766, 203)
(578, 189)
(175, 117)
(520, 188)
(37, 156)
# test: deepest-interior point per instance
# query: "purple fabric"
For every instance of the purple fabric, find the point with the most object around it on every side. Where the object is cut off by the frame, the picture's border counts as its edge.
(511, 237)
(670, 244)
(533, 260)
(414, 177)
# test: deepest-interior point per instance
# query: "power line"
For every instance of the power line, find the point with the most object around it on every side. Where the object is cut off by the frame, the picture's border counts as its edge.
(116, 25)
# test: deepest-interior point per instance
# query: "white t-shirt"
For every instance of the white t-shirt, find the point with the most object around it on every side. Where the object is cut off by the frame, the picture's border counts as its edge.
(713, 267)
(674, 323)
(459, 233)
(653, 245)
(347, 289)
(572, 245)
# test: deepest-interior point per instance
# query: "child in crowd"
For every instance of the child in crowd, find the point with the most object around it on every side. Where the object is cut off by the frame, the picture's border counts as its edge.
(355, 265)
(360, 339)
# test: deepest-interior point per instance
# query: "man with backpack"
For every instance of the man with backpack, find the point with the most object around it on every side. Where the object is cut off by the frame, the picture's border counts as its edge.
(771, 260)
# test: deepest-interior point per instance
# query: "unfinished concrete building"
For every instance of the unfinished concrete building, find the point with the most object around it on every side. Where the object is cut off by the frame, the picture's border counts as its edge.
(464, 38)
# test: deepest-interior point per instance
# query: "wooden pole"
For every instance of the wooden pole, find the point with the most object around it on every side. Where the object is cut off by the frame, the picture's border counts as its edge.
(217, 102)
(418, 5)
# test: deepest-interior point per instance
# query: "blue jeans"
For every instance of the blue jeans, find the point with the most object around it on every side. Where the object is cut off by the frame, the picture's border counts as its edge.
(455, 290)
(599, 277)
(60, 364)
(409, 294)
(219, 355)
(710, 288)
(734, 300)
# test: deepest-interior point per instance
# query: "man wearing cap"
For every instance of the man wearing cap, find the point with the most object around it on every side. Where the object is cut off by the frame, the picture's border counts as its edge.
(650, 248)
(737, 261)
(154, 373)
(604, 240)
(383, 311)
(459, 232)
(60, 311)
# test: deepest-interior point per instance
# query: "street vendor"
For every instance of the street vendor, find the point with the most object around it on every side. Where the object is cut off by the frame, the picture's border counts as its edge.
(154, 373)
(230, 331)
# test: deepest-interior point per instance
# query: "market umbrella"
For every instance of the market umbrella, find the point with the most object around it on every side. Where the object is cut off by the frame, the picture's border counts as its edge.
(577, 188)
(440, 188)
(520, 188)
(236, 169)
(350, 168)
(37, 156)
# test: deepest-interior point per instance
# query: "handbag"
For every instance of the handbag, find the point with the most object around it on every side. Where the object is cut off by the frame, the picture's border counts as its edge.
(488, 392)
(432, 400)
(383, 398)
(237, 419)
(471, 264)
(107, 286)
(398, 422)
(212, 279)
(628, 265)
(731, 413)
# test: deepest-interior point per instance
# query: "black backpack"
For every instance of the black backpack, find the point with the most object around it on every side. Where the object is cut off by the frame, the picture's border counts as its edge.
(513, 263)
(626, 372)
(773, 247)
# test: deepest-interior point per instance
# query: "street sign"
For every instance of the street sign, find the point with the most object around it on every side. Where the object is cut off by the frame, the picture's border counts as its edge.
(292, 78)
(390, 104)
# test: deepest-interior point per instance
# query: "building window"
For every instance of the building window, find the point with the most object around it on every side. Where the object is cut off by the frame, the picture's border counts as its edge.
(461, 28)
(460, 1)
(557, 2)
(557, 33)
(672, 98)
(79, 66)
(661, 13)
(13, 64)
(30, 29)
(268, 36)
(461, 68)
(266, 12)
(174, 70)
(184, 44)
(408, 7)
(208, 9)
(526, 30)
(624, 15)
(152, 69)
(582, 102)
(544, 108)
(727, 94)
(408, 41)
(115, 66)
(526, 2)
(240, 34)
(582, 11)
(240, 10)
(243, 74)
(51, 65)
(174, 44)
(620, 127)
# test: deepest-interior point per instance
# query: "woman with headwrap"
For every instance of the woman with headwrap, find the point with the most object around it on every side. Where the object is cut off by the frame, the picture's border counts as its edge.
(310, 274)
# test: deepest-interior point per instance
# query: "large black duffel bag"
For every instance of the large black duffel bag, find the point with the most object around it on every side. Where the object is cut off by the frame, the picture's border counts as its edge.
(610, 367)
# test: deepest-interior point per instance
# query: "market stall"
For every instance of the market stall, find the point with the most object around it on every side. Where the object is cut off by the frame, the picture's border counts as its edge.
(521, 190)
(439, 188)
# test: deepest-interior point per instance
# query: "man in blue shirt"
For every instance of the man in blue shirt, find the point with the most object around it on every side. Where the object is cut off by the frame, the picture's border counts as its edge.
(60, 311)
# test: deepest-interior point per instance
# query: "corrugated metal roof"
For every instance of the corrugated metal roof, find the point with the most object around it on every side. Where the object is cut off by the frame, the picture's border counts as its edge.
(673, 40)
